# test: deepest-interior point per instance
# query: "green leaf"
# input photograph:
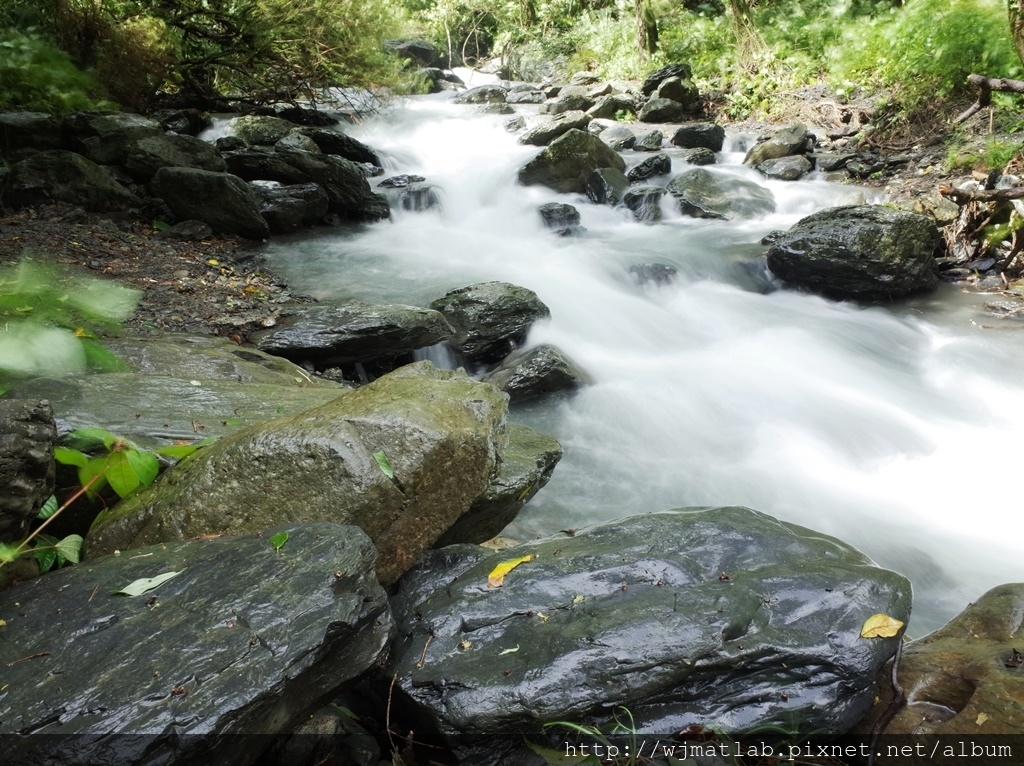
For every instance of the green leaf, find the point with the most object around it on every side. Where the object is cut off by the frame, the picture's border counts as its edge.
(145, 465)
(8, 553)
(99, 358)
(385, 464)
(138, 587)
(159, 225)
(69, 456)
(93, 471)
(279, 540)
(120, 474)
(88, 438)
(45, 552)
(49, 508)
(70, 548)
(178, 451)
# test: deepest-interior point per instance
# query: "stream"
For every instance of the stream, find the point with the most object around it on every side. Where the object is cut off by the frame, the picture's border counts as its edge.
(896, 429)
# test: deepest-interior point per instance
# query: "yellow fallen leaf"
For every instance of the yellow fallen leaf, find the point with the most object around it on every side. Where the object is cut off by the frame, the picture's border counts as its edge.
(213, 262)
(543, 617)
(880, 626)
(981, 719)
(497, 576)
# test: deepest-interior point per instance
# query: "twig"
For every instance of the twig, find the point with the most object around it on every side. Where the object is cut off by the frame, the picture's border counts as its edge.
(94, 591)
(30, 657)
(423, 656)
(899, 699)
(963, 196)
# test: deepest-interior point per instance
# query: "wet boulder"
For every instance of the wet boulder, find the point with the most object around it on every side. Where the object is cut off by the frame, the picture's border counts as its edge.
(298, 142)
(795, 139)
(865, 252)
(402, 458)
(33, 131)
(536, 373)
(289, 208)
(148, 154)
(650, 141)
(704, 193)
(224, 201)
(561, 218)
(343, 145)
(526, 97)
(658, 76)
(242, 639)
(438, 80)
(483, 94)
(619, 137)
(657, 274)
(658, 165)
(566, 164)
(680, 90)
(491, 319)
(790, 168)
(27, 438)
(699, 135)
(185, 122)
(715, 617)
(964, 678)
(645, 202)
(607, 186)
(569, 102)
(612, 107)
(60, 176)
(261, 130)
(662, 110)
(419, 52)
(105, 137)
(546, 132)
(526, 466)
(699, 156)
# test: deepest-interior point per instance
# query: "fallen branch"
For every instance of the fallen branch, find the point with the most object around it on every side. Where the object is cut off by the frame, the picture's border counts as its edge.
(986, 85)
(963, 196)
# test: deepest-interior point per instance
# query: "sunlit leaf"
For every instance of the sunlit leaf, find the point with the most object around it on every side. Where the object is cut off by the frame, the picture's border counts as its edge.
(385, 464)
(70, 548)
(178, 451)
(145, 465)
(279, 540)
(88, 438)
(138, 587)
(49, 508)
(68, 456)
(513, 650)
(120, 474)
(8, 553)
(497, 576)
(880, 626)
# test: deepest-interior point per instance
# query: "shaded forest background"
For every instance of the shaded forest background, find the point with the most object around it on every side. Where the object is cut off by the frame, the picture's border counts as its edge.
(912, 56)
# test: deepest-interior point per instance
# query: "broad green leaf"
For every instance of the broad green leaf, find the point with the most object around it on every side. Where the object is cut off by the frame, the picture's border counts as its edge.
(49, 508)
(93, 471)
(145, 465)
(45, 552)
(385, 464)
(159, 225)
(279, 540)
(8, 553)
(120, 474)
(70, 548)
(87, 438)
(146, 584)
(68, 456)
(497, 576)
(178, 451)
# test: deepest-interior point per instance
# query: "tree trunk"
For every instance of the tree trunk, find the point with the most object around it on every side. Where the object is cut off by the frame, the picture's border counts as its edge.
(1016, 9)
(646, 30)
(750, 45)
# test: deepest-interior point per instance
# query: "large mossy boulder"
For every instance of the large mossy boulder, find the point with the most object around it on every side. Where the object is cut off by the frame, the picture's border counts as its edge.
(354, 332)
(566, 164)
(341, 144)
(261, 130)
(718, 617)
(483, 94)
(60, 176)
(967, 678)
(344, 181)
(490, 319)
(148, 154)
(658, 76)
(546, 132)
(704, 193)
(288, 208)
(660, 109)
(35, 131)
(212, 666)
(795, 139)
(222, 200)
(439, 432)
(105, 137)
(866, 252)
(697, 135)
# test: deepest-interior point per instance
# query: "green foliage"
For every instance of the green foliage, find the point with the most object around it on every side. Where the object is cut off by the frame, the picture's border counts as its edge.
(384, 464)
(995, 154)
(104, 459)
(925, 50)
(278, 541)
(36, 76)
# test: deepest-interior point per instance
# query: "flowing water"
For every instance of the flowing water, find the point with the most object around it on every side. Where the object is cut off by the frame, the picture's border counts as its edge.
(896, 429)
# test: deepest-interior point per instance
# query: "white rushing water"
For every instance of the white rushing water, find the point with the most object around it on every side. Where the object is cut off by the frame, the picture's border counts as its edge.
(895, 429)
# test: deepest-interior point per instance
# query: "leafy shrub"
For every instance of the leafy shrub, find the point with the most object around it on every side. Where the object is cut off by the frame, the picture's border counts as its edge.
(36, 76)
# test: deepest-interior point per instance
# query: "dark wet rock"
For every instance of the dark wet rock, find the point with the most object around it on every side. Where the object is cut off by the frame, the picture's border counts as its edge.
(658, 76)
(418, 198)
(441, 433)
(653, 273)
(344, 181)
(619, 137)
(261, 130)
(299, 142)
(491, 319)
(650, 141)
(772, 237)
(682, 91)
(706, 193)
(60, 176)
(566, 164)
(483, 94)
(27, 437)
(863, 251)
(400, 181)
(721, 617)
(187, 231)
(526, 97)
(795, 139)
(104, 137)
(229, 144)
(36, 131)
(662, 110)
(342, 145)
(610, 107)
(242, 640)
(526, 466)
(185, 122)
(697, 135)
(222, 200)
(289, 208)
(830, 162)
(789, 168)
(559, 217)
(645, 202)
(148, 154)
(419, 52)
(864, 168)
(495, 109)
(964, 678)
(658, 165)
(353, 332)
(536, 373)
(439, 80)
(546, 132)
(699, 156)
(607, 186)
(515, 125)
(570, 102)
(183, 387)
